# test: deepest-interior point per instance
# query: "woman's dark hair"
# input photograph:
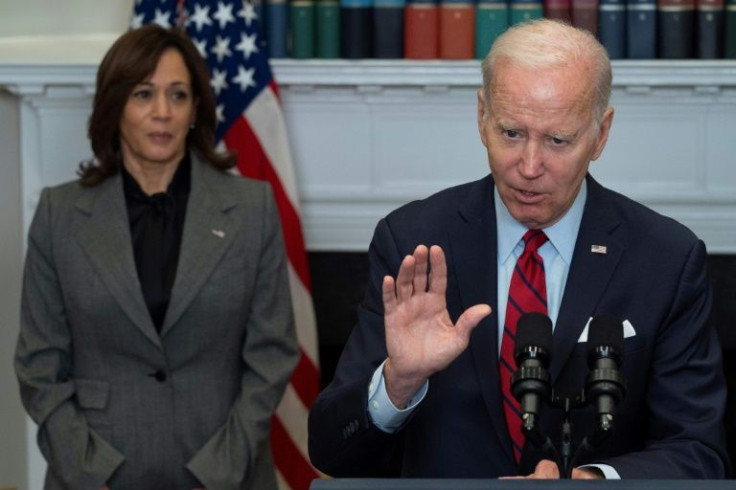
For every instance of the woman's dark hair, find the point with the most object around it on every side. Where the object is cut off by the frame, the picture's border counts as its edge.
(130, 60)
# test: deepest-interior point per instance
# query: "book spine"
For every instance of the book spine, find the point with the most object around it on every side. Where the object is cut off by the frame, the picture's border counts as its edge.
(641, 26)
(388, 28)
(558, 10)
(729, 48)
(301, 17)
(676, 29)
(585, 15)
(421, 31)
(328, 29)
(356, 28)
(710, 18)
(277, 14)
(612, 27)
(525, 10)
(491, 20)
(457, 30)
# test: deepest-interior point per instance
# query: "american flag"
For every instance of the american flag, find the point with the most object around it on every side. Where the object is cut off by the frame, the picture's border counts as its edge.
(251, 122)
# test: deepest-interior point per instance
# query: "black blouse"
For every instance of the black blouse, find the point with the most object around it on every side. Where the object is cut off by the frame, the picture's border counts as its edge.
(156, 227)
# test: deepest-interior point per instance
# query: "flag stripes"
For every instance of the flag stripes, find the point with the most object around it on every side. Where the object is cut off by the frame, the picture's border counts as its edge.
(251, 123)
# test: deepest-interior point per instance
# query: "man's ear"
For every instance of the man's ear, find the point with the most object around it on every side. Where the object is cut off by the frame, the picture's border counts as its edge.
(482, 117)
(603, 132)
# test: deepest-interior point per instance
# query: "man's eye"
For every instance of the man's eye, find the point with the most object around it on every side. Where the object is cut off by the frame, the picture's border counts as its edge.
(510, 133)
(558, 141)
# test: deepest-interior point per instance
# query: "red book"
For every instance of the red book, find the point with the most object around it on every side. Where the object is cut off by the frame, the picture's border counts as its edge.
(421, 26)
(457, 31)
(585, 15)
(558, 9)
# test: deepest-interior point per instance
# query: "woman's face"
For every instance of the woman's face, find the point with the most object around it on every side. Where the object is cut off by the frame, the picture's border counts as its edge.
(157, 115)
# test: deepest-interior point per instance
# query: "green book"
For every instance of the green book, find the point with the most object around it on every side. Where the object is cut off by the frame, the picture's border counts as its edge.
(328, 28)
(525, 10)
(491, 20)
(730, 30)
(302, 25)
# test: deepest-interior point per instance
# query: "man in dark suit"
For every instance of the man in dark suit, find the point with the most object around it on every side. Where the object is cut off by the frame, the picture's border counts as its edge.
(418, 391)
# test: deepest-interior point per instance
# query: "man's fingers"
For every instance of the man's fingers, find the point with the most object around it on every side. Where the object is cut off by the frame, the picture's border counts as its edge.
(405, 279)
(421, 265)
(389, 295)
(438, 273)
(470, 319)
(546, 470)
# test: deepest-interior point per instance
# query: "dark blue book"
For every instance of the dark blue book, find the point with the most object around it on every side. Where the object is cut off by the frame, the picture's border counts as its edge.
(641, 29)
(277, 22)
(710, 19)
(356, 28)
(730, 30)
(388, 28)
(612, 27)
(676, 29)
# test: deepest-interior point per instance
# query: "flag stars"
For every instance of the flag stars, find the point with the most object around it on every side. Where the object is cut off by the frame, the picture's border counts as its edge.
(218, 81)
(245, 78)
(222, 48)
(220, 113)
(248, 13)
(201, 16)
(224, 14)
(201, 45)
(162, 19)
(137, 21)
(247, 45)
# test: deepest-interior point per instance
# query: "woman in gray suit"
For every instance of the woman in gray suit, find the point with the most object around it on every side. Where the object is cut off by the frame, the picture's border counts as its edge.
(157, 334)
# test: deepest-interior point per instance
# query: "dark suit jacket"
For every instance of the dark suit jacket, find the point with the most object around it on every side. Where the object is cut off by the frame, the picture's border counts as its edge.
(653, 274)
(118, 403)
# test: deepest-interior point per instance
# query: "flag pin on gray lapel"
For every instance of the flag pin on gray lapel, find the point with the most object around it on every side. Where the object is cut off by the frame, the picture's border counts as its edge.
(599, 249)
(218, 233)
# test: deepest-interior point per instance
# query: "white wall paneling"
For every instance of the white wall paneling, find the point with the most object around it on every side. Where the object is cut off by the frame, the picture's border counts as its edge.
(368, 136)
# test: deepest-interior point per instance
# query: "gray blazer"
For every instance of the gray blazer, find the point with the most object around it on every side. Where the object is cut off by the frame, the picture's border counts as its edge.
(116, 402)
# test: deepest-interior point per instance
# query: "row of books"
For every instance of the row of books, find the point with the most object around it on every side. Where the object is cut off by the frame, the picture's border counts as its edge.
(461, 29)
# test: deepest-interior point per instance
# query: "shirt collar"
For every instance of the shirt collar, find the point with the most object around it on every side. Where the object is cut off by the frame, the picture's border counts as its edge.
(562, 235)
(179, 184)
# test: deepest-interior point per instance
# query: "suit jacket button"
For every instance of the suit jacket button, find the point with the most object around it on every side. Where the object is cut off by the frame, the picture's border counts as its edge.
(159, 376)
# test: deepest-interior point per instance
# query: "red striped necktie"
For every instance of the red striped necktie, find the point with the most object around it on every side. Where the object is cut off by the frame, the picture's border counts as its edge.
(527, 294)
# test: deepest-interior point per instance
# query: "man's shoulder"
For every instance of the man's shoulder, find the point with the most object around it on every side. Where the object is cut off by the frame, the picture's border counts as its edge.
(446, 203)
(644, 221)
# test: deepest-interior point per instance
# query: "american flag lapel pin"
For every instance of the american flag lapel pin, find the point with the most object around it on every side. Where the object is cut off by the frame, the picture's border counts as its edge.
(599, 249)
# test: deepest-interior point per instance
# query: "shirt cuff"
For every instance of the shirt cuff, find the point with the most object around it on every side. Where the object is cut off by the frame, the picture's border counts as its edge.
(608, 472)
(382, 412)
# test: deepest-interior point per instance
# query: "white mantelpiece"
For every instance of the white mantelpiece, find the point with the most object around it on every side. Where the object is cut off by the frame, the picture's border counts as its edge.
(368, 136)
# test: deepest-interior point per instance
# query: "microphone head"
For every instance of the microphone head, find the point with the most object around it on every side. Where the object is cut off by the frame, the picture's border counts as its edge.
(533, 330)
(605, 332)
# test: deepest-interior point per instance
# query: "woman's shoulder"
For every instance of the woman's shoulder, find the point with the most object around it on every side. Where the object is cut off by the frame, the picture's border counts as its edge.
(233, 185)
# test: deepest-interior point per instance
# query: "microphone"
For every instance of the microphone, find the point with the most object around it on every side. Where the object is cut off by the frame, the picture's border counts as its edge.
(530, 383)
(604, 383)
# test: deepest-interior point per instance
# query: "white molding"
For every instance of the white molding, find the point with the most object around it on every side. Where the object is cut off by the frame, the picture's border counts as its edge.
(370, 135)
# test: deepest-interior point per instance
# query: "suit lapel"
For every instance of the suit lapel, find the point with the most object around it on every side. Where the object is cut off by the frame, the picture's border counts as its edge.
(474, 236)
(105, 238)
(208, 231)
(589, 274)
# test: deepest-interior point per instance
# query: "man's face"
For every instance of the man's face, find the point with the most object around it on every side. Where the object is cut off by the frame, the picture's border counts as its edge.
(540, 134)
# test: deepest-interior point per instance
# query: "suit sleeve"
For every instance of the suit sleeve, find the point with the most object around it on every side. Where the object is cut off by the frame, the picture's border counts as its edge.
(343, 441)
(270, 354)
(686, 394)
(76, 455)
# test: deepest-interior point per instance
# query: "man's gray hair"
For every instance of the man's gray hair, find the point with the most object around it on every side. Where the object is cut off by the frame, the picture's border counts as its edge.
(548, 43)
